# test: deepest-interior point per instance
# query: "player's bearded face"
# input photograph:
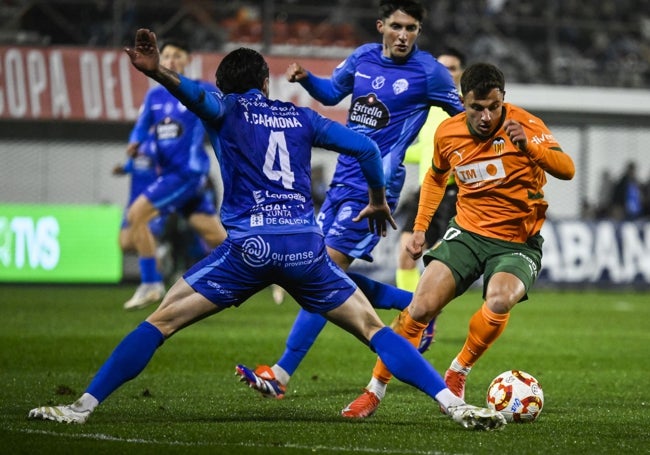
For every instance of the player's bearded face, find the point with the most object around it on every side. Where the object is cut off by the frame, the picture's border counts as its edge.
(399, 32)
(484, 115)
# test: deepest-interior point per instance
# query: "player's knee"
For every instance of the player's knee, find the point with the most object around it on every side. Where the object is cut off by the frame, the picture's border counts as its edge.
(502, 301)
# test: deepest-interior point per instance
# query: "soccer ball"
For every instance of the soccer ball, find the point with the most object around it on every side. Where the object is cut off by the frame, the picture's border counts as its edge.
(517, 395)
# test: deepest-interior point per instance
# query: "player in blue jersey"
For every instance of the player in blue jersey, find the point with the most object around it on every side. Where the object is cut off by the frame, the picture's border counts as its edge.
(392, 85)
(182, 184)
(264, 149)
(143, 171)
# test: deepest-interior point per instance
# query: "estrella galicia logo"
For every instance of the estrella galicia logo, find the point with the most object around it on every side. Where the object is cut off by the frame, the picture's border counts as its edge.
(256, 252)
(168, 129)
(369, 111)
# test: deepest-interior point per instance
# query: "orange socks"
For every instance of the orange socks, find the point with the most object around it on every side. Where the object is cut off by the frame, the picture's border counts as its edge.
(410, 329)
(485, 327)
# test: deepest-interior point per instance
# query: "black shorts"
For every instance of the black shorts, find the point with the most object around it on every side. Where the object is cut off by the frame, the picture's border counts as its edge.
(446, 211)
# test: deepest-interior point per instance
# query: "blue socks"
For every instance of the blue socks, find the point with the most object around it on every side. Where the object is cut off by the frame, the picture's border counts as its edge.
(308, 326)
(382, 295)
(148, 270)
(127, 360)
(303, 334)
(406, 364)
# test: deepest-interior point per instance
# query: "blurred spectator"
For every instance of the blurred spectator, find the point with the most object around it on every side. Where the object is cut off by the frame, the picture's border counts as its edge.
(533, 41)
(626, 199)
(605, 195)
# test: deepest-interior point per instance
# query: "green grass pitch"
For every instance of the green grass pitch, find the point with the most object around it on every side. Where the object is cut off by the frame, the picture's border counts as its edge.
(590, 351)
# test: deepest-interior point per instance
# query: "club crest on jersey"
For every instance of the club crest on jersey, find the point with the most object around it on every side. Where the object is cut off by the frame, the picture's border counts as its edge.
(378, 82)
(369, 111)
(499, 145)
(483, 171)
(400, 86)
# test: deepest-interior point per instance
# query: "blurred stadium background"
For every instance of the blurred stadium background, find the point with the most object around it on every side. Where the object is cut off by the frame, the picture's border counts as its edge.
(68, 98)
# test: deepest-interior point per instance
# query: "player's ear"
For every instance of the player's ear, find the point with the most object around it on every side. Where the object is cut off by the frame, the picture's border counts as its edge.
(265, 87)
(380, 26)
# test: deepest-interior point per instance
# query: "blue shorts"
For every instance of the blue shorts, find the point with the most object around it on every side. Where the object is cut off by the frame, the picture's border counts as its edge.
(157, 225)
(179, 193)
(241, 267)
(341, 233)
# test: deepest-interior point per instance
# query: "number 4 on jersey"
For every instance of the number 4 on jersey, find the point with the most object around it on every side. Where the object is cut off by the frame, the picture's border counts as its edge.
(277, 151)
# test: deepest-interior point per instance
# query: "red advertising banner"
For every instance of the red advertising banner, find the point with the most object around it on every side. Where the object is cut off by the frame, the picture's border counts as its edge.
(89, 84)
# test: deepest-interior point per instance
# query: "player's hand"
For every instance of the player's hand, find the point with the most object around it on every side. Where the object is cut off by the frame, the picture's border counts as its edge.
(516, 133)
(132, 149)
(378, 215)
(144, 55)
(295, 73)
(415, 245)
(118, 169)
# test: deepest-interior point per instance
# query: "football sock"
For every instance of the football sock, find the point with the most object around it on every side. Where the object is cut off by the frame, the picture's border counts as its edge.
(458, 368)
(446, 398)
(280, 374)
(406, 363)
(407, 279)
(408, 328)
(377, 387)
(485, 326)
(127, 360)
(303, 334)
(382, 295)
(86, 402)
(148, 271)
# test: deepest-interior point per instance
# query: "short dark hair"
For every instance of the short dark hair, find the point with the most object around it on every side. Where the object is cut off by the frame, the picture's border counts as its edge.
(241, 70)
(481, 78)
(176, 42)
(411, 7)
(454, 53)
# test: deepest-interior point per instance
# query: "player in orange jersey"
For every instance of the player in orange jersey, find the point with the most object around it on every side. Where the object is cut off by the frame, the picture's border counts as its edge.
(499, 155)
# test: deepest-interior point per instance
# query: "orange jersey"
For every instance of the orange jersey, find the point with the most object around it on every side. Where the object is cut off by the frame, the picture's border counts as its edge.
(499, 187)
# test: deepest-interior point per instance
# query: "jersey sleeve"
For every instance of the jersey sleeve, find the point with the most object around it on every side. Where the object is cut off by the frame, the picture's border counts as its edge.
(442, 91)
(555, 162)
(544, 150)
(431, 193)
(208, 106)
(330, 91)
(331, 135)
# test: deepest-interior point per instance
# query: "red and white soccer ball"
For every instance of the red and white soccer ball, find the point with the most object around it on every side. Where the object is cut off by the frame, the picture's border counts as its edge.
(517, 395)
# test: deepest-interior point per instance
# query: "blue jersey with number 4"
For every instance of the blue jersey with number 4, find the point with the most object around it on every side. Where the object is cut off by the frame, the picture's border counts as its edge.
(264, 148)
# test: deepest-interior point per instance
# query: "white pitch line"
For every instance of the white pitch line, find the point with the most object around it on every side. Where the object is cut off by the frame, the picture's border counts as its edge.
(109, 438)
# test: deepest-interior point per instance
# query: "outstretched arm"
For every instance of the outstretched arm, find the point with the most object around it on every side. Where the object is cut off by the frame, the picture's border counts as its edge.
(329, 91)
(146, 59)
